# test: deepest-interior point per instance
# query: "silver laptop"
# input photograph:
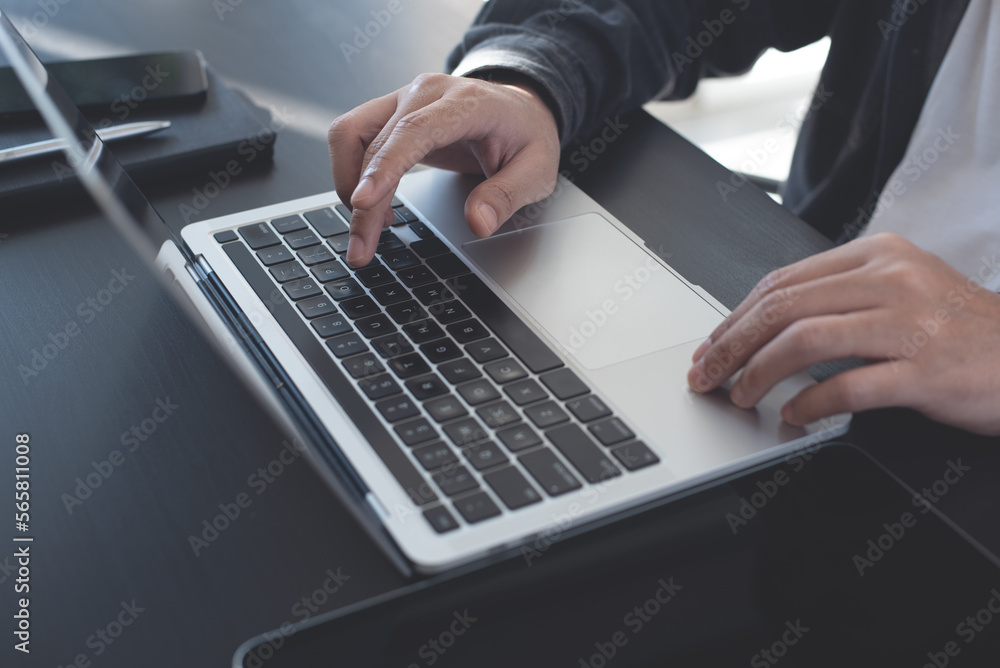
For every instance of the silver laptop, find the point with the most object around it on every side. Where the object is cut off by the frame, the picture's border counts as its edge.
(469, 396)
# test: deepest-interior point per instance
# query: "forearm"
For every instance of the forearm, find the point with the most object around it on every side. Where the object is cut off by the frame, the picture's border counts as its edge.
(598, 58)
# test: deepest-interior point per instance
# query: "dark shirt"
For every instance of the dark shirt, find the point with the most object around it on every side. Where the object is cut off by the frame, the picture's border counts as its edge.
(599, 58)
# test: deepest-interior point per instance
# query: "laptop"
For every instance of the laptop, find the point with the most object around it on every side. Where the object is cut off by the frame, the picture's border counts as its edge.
(465, 397)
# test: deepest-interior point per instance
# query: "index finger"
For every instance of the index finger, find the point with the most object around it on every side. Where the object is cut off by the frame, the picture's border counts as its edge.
(349, 137)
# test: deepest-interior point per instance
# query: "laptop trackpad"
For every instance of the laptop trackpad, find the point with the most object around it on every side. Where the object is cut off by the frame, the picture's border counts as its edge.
(604, 298)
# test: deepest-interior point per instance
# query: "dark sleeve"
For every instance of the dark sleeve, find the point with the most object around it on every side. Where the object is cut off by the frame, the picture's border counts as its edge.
(598, 58)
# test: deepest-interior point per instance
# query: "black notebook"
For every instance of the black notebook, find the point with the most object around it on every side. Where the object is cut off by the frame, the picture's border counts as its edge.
(207, 133)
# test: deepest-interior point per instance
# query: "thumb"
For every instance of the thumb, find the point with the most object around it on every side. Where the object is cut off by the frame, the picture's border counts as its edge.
(522, 181)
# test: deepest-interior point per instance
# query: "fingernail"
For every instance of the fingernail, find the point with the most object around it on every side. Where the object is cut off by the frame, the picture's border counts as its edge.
(696, 377)
(488, 216)
(700, 350)
(363, 191)
(355, 250)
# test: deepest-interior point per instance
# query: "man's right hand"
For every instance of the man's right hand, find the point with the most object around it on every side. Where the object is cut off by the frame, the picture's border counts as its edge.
(505, 131)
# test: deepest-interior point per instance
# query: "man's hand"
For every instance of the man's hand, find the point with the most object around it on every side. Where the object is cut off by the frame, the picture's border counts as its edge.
(931, 336)
(506, 132)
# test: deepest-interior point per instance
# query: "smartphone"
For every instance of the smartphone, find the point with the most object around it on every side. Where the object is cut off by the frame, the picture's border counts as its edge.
(820, 559)
(117, 85)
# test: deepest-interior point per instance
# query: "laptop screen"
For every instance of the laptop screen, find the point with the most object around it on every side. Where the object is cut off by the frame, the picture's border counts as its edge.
(84, 153)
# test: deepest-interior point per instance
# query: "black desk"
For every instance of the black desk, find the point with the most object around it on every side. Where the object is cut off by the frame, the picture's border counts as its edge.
(126, 546)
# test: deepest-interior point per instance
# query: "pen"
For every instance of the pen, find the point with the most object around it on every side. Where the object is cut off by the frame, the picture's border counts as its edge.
(112, 133)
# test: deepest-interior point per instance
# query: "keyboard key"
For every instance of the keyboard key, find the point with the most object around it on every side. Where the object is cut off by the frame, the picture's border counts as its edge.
(415, 276)
(331, 325)
(316, 306)
(459, 371)
(478, 392)
(484, 455)
(519, 437)
(362, 366)
(550, 473)
(339, 243)
(588, 409)
(440, 519)
(346, 345)
(399, 408)
(288, 224)
(287, 271)
(454, 480)
(441, 350)
(467, 330)
(582, 453)
(380, 387)
(525, 392)
(465, 432)
(477, 508)
(423, 331)
(274, 255)
(433, 293)
(446, 266)
(512, 487)
(360, 307)
(404, 213)
(564, 384)
(486, 350)
(326, 222)
(400, 259)
(259, 235)
(344, 288)
(506, 325)
(302, 288)
(405, 312)
(635, 456)
(226, 236)
(611, 431)
(301, 239)
(546, 414)
(392, 345)
(315, 255)
(428, 247)
(374, 275)
(375, 325)
(343, 212)
(427, 387)
(445, 408)
(506, 370)
(498, 415)
(390, 293)
(447, 312)
(407, 366)
(329, 271)
(415, 431)
(434, 456)
(388, 242)
(421, 230)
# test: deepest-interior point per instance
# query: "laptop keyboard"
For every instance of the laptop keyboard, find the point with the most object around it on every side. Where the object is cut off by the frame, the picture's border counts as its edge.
(472, 412)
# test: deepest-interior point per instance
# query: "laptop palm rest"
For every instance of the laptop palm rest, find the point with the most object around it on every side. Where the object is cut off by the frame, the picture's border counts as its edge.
(601, 296)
